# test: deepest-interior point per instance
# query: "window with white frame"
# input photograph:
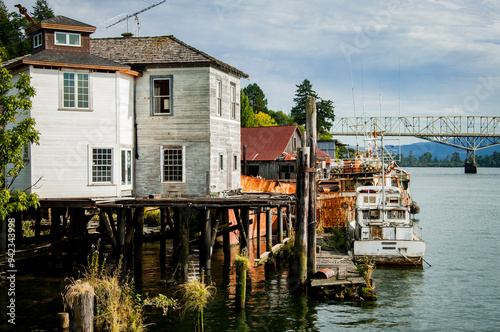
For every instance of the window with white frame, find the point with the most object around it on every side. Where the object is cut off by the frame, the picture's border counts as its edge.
(37, 40)
(218, 96)
(233, 101)
(162, 102)
(75, 90)
(102, 165)
(67, 39)
(126, 165)
(173, 164)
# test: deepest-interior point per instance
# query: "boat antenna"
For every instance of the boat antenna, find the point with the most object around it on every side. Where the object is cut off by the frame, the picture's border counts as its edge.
(383, 175)
(399, 110)
(354, 108)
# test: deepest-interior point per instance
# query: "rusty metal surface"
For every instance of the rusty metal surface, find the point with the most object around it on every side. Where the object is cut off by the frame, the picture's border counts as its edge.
(335, 209)
(250, 184)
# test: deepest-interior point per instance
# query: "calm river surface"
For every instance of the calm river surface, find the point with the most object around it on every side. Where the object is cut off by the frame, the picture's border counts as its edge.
(461, 291)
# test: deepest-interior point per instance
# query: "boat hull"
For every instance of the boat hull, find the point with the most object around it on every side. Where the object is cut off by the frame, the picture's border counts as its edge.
(389, 252)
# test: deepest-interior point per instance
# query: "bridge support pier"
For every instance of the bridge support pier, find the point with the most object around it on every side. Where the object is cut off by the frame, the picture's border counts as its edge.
(470, 162)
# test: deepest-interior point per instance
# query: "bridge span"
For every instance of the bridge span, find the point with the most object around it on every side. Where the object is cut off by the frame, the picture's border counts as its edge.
(469, 133)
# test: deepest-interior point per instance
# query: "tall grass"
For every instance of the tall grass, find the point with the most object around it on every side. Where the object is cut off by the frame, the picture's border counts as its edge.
(118, 307)
(195, 296)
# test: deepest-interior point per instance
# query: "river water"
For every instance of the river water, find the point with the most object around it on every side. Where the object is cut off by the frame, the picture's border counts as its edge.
(460, 219)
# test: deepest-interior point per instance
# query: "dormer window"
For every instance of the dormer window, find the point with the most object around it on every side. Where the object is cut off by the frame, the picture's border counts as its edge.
(67, 39)
(37, 40)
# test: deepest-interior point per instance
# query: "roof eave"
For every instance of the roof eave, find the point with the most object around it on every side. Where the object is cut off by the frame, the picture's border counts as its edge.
(64, 27)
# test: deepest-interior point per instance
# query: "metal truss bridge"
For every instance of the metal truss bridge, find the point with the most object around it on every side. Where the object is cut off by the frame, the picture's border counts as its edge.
(470, 133)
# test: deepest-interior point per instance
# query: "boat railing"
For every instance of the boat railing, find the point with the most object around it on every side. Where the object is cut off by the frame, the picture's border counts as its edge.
(417, 231)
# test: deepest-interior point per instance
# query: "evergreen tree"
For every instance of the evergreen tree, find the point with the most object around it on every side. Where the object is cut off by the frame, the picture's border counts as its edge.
(324, 108)
(257, 98)
(42, 11)
(247, 114)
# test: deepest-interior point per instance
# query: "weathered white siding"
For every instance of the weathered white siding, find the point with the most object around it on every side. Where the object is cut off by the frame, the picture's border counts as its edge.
(62, 159)
(193, 125)
(187, 127)
(225, 139)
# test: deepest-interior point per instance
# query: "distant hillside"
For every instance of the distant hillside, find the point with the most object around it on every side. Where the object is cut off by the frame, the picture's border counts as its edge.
(438, 150)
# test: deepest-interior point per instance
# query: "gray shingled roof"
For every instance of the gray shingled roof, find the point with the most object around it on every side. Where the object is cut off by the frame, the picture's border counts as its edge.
(63, 20)
(70, 58)
(138, 51)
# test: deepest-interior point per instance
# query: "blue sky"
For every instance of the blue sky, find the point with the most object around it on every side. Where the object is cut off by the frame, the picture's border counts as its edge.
(437, 57)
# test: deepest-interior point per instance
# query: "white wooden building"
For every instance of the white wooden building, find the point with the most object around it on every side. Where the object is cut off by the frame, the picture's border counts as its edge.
(128, 116)
(188, 116)
(83, 109)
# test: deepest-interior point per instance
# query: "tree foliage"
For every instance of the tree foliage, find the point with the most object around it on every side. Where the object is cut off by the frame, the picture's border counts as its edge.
(264, 120)
(281, 118)
(42, 11)
(17, 131)
(247, 114)
(324, 108)
(257, 98)
(13, 26)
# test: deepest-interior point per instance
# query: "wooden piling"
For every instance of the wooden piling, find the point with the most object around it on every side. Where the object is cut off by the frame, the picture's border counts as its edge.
(269, 230)
(206, 243)
(299, 266)
(63, 320)
(311, 133)
(120, 216)
(55, 221)
(245, 219)
(104, 224)
(182, 251)
(226, 240)
(138, 241)
(163, 240)
(280, 224)
(258, 220)
(241, 265)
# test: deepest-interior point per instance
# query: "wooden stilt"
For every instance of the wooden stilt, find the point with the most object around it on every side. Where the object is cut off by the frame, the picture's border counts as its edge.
(176, 238)
(120, 216)
(183, 248)
(163, 240)
(105, 225)
(299, 267)
(245, 219)
(311, 220)
(280, 224)
(138, 242)
(289, 219)
(206, 244)
(258, 220)
(269, 230)
(226, 241)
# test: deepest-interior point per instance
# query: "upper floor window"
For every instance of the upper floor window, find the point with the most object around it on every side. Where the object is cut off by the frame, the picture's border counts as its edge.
(218, 96)
(75, 92)
(233, 101)
(67, 39)
(37, 40)
(161, 95)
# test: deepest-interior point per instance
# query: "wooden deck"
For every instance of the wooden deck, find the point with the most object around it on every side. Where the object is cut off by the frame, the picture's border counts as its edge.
(342, 266)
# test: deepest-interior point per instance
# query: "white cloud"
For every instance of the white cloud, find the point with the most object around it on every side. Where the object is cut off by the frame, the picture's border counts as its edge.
(439, 48)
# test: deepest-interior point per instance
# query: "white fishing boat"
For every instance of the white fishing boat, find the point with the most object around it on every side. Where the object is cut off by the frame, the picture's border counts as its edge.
(382, 230)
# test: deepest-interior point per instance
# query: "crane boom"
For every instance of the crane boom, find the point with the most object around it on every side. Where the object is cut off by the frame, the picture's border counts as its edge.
(136, 13)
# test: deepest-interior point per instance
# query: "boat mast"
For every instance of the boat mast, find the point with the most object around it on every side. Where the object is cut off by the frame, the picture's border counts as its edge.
(383, 176)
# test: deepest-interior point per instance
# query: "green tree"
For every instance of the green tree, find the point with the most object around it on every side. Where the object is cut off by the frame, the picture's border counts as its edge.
(257, 98)
(42, 11)
(17, 131)
(324, 108)
(247, 114)
(281, 118)
(425, 159)
(12, 38)
(264, 120)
